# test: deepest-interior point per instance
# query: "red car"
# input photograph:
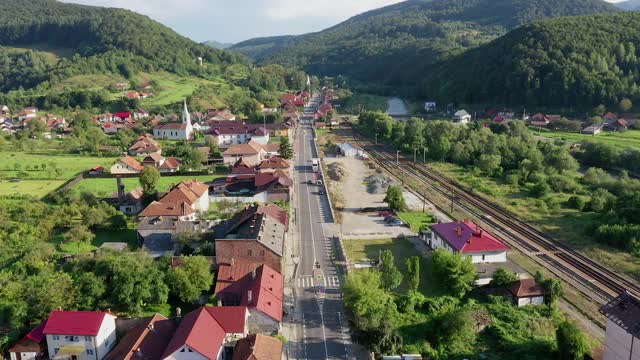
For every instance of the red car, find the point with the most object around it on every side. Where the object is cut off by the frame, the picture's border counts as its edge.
(385, 214)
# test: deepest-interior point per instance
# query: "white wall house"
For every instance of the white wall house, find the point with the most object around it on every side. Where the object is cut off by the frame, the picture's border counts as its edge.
(127, 165)
(622, 340)
(468, 239)
(461, 117)
(80, 335)
(174, 130)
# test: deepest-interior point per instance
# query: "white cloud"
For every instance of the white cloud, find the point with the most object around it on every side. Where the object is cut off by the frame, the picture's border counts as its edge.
(335, 9)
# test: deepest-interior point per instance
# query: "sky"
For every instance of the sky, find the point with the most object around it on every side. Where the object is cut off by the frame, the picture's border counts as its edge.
(238, 20)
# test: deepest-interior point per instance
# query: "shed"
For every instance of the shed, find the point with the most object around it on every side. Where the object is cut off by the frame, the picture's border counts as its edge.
(348, 150)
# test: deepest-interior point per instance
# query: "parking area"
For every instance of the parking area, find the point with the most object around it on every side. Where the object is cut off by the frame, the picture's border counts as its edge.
(349, 175)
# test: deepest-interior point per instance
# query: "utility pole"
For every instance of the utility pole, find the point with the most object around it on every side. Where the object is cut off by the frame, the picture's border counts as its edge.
(424, 200)
(415, 151)
(376, 138)
(397, 157)
(424, 154)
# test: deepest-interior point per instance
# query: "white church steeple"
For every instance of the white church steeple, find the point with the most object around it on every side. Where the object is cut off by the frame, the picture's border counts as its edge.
(186, 117)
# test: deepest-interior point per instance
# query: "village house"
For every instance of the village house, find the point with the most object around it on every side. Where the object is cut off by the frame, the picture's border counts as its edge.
(208, 333)
(527, 292)
(539, 120)
(251, 153)
(174, 130)
(468, 239)
(250, 185)
(27, 113)
(258, 347)
(144, 146)
(461, 117)
(176, 213)
(256, 286)
(227, 133)
(220, 115)
(257, 234)
(623, 327)
(278, 130)
(80, 335)
(616, 125)
(273, 164)
(164, 165)
(592, 129)
(608, 117)
(145, 341)
(140, 113)
(31, 347)
(127, 165)
(292, 117)
(130, 202)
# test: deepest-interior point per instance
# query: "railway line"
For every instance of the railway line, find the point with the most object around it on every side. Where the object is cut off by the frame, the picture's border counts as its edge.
(591, 278)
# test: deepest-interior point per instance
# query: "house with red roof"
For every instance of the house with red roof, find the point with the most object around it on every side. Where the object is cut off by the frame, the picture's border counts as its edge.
(146, 340)
(31, 346)
(80, 335)
(145, 145)
(208, 333)
(127, 165)
(468, 239)
(258, 347)
(258, 287)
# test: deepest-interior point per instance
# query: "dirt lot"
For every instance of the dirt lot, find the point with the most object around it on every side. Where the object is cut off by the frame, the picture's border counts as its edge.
(352, 185)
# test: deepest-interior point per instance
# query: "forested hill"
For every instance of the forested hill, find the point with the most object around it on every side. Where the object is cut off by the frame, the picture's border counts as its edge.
(104, 38)
(396, 44)
(580, 61)
(258, 48)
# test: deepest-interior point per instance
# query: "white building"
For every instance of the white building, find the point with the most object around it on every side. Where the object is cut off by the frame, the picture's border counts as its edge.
(80, 335)
(623, 328)
(461, 117)
(174, 130)
(127, 165)
(429, 106)
(468, 239)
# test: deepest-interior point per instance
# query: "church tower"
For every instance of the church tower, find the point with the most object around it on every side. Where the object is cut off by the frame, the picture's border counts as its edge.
(186, 119)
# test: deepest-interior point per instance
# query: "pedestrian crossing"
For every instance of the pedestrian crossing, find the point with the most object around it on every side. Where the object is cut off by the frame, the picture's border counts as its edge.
(307, 281)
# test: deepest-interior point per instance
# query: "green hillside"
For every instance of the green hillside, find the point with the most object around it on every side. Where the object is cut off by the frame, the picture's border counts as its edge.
(582, 61)
(258, 48)
(398, 43)
(60, 56)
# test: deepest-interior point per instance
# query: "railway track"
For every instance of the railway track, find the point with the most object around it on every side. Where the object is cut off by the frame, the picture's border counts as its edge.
(598, 282)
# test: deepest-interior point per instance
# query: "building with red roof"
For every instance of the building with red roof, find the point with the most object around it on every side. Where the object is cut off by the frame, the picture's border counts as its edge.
(208, 333)
(83, 335)
(258, 347)
(256, 286)
(146, 341)
(468, 239)
(31, 346)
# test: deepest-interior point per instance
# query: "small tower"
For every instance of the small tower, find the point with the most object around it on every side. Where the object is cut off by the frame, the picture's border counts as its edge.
(186, 119)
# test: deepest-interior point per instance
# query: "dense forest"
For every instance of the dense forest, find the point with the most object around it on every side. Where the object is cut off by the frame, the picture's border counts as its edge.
(260, 47)
(395, 45)
(578, 61)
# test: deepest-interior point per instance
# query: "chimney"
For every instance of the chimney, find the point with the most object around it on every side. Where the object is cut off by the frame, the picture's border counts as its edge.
(219, 302)
(459, 231)
(150, 327)
(120, 190)
(178, 312)
(253, 274)
(233, 261)
(249, 297)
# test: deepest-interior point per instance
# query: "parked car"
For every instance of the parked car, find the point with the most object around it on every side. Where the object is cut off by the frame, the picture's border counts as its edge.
(396, 222)
(384, 214)
(321, 191)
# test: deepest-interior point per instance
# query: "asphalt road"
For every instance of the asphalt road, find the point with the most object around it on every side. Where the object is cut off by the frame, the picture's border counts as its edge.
(322, 327)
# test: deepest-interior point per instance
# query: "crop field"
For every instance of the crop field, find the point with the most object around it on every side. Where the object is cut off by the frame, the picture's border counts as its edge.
(625, 139)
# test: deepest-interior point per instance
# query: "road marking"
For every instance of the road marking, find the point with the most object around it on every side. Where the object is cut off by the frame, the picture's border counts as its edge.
(306, 281)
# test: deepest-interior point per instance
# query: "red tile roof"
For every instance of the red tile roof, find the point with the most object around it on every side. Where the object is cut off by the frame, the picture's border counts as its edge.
(172, 126)
(179, 201)
(251, 148)
(258, 347)
(231, 318)
(526, 288)
(146, 341)
(267, 289)
(80, 323)
(201, 332)
(135, 164)
(34, 335)
(467, 237)
(123, 115)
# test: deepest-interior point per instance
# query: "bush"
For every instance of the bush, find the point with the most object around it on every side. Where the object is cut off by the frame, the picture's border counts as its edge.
(539, 190)
(577, 202)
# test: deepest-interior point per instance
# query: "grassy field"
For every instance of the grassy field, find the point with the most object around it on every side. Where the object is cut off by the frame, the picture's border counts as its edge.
(171, 88)
(128, 236)
(68, 165)
(625, 139)
(417, 220)
(566, 225)
(364, 102)
(35, 188)
(105, 187)
(402, 249)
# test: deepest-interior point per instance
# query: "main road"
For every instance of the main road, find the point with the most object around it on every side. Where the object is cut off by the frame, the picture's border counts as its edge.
(322, 330)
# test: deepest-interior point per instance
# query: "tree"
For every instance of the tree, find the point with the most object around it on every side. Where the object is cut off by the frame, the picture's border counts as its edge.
(503, 276)
(489, 164)
(126, 136)
(149, 180)
(552, 287)
(454, 272)
(572, 343)
(286, 150)
(391, 276)
(90, 290)
(192, 278)
(79, 234)
(599, 110)
(625, 105)
(395, 198)
(413, 272)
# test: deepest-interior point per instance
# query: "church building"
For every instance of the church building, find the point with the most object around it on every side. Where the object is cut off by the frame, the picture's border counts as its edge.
(176, 130)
